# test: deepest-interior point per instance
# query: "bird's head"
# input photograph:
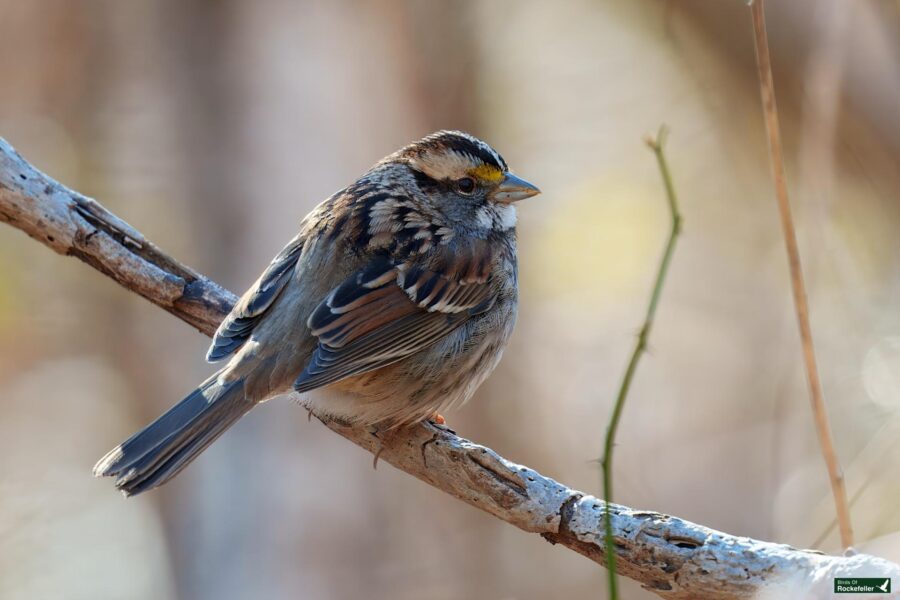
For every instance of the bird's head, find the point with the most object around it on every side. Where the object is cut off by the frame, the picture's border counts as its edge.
(464, 179)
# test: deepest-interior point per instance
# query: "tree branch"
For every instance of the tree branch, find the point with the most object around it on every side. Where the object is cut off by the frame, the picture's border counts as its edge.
(674, 558)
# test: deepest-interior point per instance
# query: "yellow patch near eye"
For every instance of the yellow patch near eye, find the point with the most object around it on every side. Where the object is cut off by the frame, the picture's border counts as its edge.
(487, 173)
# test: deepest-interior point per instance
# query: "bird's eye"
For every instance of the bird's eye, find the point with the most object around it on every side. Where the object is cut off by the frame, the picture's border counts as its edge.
(465, 186)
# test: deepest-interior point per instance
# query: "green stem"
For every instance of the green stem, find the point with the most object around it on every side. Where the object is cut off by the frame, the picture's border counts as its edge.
(657, 146)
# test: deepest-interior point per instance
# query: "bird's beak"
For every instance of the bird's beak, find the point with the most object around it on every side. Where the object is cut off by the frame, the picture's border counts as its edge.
(513, 189)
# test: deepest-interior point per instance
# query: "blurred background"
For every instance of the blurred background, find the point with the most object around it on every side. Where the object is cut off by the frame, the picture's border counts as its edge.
(215, 126)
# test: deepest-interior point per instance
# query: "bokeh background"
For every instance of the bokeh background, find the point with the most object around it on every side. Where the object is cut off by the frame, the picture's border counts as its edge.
(215, 126)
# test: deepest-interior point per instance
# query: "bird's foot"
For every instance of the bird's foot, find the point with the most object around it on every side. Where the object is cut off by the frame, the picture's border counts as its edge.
(382, 437)
(439, 422)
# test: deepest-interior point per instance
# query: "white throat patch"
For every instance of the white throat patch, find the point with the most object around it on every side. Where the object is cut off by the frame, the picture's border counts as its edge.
(496, 216)
(508, 216)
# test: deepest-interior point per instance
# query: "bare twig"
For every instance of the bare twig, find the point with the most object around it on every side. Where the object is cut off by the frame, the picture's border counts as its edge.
(675, 559)
(657, 146)
(820, 414)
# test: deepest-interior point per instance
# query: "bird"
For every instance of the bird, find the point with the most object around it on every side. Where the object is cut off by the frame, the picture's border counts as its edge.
(392, 304)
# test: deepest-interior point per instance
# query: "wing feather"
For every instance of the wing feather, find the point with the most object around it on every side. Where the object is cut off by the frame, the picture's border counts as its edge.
(388, 311)
(246, 314)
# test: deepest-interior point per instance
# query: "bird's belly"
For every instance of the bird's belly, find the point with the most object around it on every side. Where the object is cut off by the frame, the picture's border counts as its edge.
(443, 376)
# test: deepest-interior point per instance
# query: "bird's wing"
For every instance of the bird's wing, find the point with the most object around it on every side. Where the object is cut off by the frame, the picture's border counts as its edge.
(389, 310)
(239, 324)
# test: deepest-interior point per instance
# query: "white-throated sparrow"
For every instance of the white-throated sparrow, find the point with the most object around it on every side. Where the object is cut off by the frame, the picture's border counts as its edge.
(394, 301)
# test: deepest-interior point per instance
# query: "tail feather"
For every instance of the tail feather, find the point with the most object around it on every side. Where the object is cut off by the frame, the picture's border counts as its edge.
(157, 453)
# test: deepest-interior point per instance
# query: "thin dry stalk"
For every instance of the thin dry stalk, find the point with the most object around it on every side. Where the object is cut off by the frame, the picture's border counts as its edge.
(820, 415)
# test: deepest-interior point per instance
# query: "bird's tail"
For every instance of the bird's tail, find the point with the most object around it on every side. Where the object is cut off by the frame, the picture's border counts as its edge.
(161, 450)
